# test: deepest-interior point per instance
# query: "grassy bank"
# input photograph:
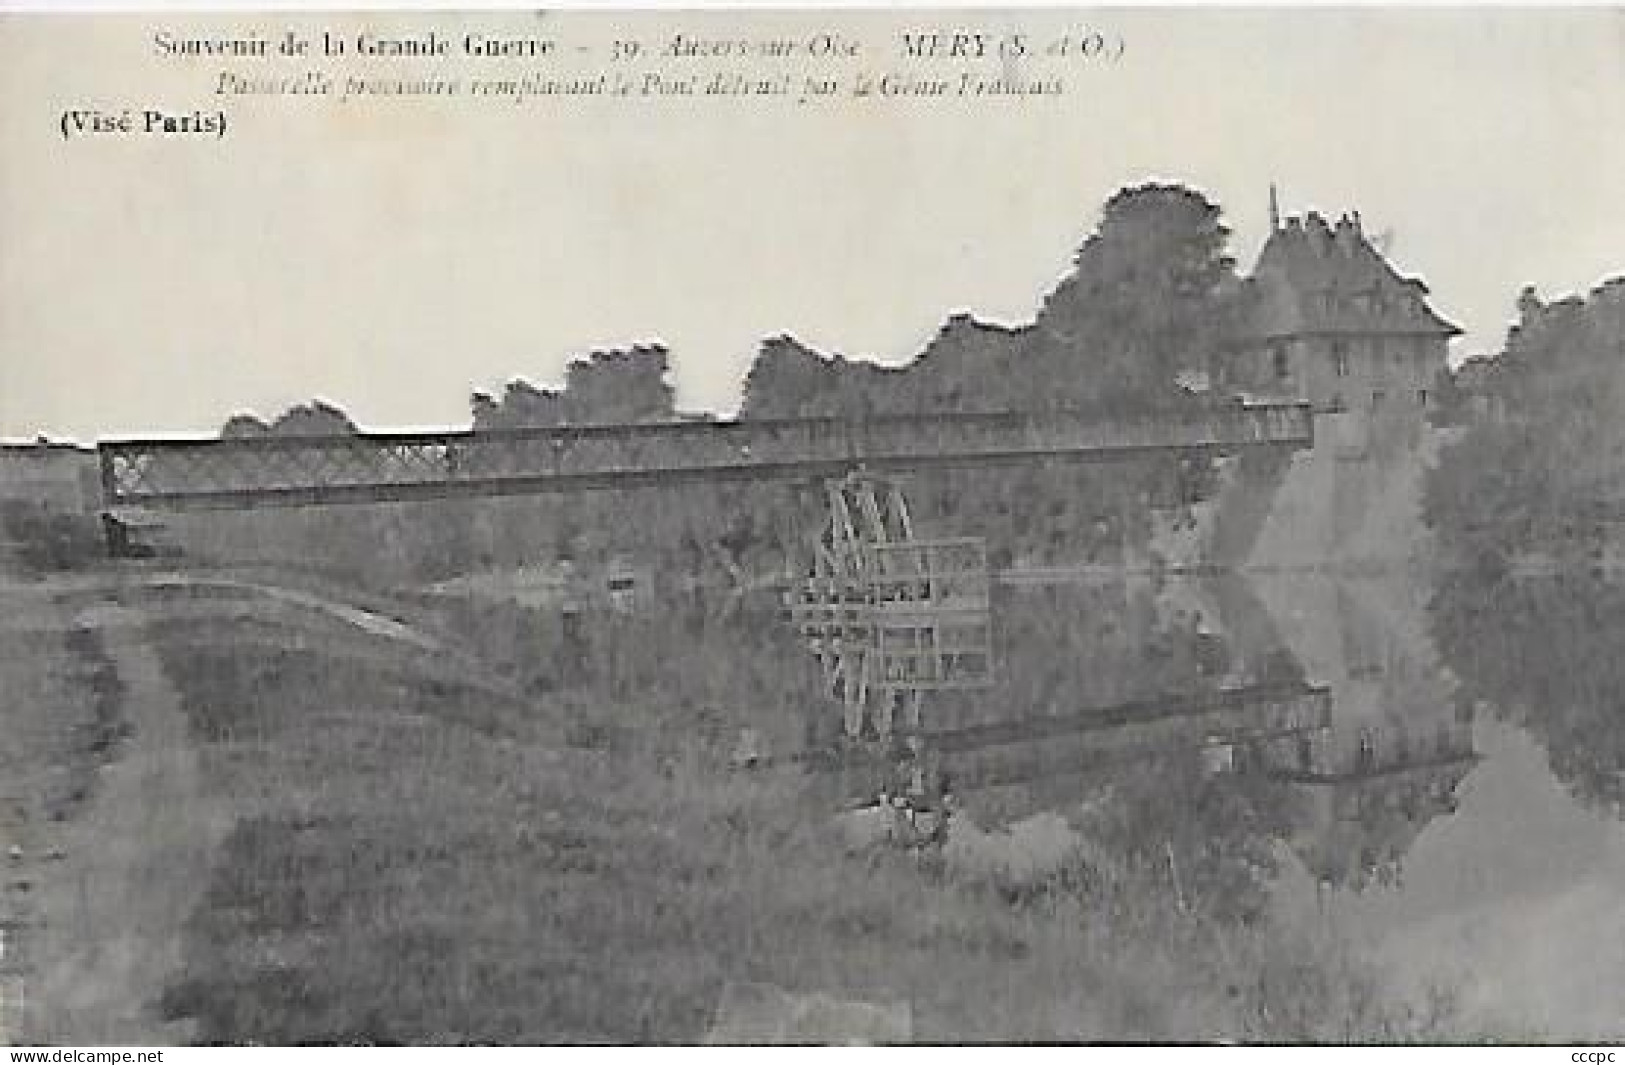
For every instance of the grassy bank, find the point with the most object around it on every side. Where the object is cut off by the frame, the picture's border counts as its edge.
(63, 714)
(414, 865)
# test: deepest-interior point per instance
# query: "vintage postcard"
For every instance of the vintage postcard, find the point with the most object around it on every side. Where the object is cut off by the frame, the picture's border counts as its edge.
(675, 527)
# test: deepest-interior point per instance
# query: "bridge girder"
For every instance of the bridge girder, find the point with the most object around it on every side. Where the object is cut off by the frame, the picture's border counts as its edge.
(391, 467)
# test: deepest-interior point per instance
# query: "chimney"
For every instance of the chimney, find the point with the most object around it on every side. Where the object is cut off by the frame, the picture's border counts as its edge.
(1348, 235)
(1275, 209)
(1320, 234)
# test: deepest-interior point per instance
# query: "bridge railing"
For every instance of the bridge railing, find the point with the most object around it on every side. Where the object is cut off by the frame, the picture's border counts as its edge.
(382, 466)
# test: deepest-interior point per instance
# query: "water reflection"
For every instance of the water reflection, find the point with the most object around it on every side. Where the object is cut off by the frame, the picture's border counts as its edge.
(1545, 654)
(1333, 687)
(1399, 745)
(1490, 859)
(1438, 775)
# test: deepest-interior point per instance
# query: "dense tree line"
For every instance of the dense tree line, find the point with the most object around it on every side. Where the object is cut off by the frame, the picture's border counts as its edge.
(1547, 446)
(615, 386)
(316, 418)
(1151, 293)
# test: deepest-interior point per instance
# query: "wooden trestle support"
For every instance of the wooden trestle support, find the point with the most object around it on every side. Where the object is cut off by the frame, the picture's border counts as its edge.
(888, 616)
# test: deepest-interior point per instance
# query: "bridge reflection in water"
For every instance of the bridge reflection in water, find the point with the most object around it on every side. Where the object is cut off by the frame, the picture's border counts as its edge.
(1346, 718)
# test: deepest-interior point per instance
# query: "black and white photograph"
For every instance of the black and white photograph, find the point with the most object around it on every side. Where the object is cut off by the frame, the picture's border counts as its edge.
(828, 526)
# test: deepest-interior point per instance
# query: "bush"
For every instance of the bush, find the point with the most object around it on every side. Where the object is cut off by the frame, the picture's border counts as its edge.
(48, 540)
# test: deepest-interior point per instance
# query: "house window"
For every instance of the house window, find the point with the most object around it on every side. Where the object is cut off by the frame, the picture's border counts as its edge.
(1376, 399)
(1421, 397)
(1281, 362)
(1340, 357)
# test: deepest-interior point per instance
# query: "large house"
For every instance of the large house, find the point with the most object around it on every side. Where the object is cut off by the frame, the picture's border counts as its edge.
(1329, 320)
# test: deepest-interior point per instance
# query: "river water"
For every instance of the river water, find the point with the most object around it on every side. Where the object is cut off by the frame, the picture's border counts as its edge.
(1457, 817)
(1516, 897)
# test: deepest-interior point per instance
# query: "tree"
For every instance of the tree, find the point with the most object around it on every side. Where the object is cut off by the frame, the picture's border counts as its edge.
(522, 406)
(243, 426)
(789, 380)
(1523, 480)
(1151, 294)
(615, 386)
(316, 418)
(621, 385)
(1450, 399)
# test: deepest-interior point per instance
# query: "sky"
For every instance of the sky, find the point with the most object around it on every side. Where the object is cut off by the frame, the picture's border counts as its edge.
(393, 257)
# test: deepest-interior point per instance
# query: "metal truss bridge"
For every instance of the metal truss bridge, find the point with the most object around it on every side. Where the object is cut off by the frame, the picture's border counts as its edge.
(389, 467)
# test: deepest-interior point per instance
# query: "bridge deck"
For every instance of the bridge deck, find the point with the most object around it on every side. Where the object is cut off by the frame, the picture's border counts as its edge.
(380, 467)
